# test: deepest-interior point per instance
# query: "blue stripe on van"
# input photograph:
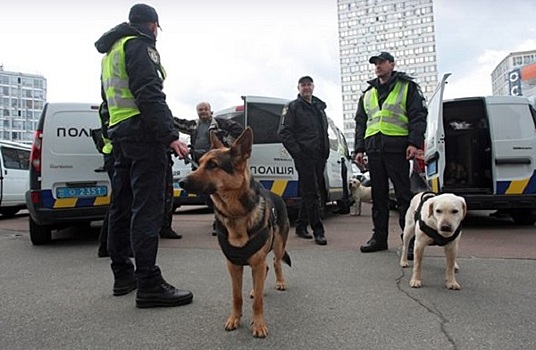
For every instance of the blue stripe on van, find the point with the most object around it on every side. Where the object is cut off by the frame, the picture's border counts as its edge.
(290, 191)
(512, 187)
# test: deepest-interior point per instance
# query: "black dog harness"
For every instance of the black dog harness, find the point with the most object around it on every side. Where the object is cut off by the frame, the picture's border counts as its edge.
(258, 235)
(430, 232)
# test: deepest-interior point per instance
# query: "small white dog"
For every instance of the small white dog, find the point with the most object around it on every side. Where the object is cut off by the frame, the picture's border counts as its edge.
(434, 220)
(360, 194)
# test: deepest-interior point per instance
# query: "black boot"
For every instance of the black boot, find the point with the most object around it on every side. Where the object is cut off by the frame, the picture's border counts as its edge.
(162, 295)
(320, 238)
(374, 245)
(303, 233)
(167, 232)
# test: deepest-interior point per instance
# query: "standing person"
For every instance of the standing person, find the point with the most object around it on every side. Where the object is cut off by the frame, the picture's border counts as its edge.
(199, 130)
(390, 126)
(304, 132)
(142, 132)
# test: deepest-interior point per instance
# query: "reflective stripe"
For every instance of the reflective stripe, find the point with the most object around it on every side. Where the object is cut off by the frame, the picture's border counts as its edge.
(391, 119)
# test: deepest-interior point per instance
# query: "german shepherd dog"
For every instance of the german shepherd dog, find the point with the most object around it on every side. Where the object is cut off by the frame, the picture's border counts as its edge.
(250, 221)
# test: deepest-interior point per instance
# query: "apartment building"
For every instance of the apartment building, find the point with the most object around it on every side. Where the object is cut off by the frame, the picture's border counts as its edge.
(506, 78)
(405, 28)
(22, 97)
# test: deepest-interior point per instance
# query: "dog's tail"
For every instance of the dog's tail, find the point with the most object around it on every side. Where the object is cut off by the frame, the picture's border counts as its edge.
(286, 259)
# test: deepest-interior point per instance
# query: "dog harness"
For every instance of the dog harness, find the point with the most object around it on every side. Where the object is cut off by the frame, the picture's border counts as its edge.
(430, 232)
(258, 235)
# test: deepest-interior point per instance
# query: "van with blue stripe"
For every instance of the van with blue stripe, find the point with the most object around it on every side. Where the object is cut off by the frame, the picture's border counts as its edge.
(484, 149)
(65, 189)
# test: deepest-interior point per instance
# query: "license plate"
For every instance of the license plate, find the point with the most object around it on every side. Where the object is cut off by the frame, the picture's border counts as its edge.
(81, 192)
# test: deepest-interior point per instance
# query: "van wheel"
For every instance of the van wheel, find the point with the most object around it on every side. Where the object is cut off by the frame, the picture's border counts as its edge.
(525, 217)
(40, 234)
(9, 212)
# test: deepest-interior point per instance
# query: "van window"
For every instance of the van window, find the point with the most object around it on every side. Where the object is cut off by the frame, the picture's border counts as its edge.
(15, 158)
(264, 119)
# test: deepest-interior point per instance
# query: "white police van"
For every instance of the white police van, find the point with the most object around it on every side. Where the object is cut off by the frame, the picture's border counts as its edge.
(65, 189)
(484, 149)
(272, 165)
(14, 165)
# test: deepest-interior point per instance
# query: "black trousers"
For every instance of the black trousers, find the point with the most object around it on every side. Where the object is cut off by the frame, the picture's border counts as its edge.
(382, 167)
(311, 182)
(168, 202)
(136, 210)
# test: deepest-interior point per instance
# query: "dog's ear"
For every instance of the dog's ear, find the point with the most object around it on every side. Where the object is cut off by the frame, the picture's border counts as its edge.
(430, 207)
(241, 147)
(215, 141)
(464, 206)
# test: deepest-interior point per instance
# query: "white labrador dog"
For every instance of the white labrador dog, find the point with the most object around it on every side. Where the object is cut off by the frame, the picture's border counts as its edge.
(360, 194)
(434, 220)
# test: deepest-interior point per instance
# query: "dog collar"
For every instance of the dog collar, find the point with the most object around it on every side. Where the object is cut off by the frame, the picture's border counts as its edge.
(259, 234)
(430, 232)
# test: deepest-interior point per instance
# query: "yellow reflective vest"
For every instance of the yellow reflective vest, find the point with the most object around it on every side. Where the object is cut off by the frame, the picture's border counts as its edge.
(391, 119)
(121, 102)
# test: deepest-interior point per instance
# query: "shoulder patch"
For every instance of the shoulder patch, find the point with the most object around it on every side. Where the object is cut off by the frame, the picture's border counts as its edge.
(153, 55)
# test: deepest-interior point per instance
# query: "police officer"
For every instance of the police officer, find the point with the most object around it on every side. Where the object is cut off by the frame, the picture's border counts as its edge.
(142, 132)
(390, 126)
(304, 133)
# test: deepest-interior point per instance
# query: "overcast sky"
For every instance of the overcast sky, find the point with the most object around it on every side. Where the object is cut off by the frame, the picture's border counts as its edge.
(219, 50)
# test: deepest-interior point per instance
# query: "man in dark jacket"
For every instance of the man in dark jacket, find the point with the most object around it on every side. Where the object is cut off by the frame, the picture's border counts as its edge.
(142, 132)
(390, 126)
(304, 132)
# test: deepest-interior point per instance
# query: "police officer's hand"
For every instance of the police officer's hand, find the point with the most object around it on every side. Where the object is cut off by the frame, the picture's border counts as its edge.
(179, 148)
(413, 152)
(360, 159)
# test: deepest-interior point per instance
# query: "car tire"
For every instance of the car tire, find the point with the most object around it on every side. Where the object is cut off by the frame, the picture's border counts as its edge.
(523, 217)
(9, 212)
(40, 234)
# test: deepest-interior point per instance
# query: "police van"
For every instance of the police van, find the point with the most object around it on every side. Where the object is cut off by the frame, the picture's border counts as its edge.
(484, 149)
(64, 188)
(14, 165)
(272, 165)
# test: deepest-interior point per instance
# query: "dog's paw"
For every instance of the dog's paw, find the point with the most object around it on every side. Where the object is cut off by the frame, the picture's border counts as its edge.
(404, 263)
(280, 285)
(259, 329)
(413, 283)
(453, 285)
(232, 323)
(456, 267)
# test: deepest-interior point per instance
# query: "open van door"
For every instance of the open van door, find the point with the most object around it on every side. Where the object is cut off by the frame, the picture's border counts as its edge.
(434, 146)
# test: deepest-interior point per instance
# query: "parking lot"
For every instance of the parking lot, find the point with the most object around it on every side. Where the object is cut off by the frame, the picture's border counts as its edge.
(58, 296)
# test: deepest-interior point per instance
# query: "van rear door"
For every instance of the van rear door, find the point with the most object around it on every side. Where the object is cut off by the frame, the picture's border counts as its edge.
(271, 166)
(69, 158)
(513, 126)
(434, 149)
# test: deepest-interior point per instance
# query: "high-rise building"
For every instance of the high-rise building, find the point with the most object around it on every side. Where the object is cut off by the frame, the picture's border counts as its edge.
(22, 97)
(405, 28)
(507, 79)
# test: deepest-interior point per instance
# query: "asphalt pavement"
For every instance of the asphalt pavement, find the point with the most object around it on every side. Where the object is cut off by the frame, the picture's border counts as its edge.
(58, 296)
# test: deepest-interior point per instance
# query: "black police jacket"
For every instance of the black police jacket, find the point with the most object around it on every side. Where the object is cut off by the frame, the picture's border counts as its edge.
(155, 121)
(416, 113)
(304, 129)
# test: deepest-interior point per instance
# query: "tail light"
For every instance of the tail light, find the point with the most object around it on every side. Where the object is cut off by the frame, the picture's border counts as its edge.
(35, 155)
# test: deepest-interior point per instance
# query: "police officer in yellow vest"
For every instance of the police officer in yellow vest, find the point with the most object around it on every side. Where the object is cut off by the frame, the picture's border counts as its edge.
(142, 132)
(390, 126)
